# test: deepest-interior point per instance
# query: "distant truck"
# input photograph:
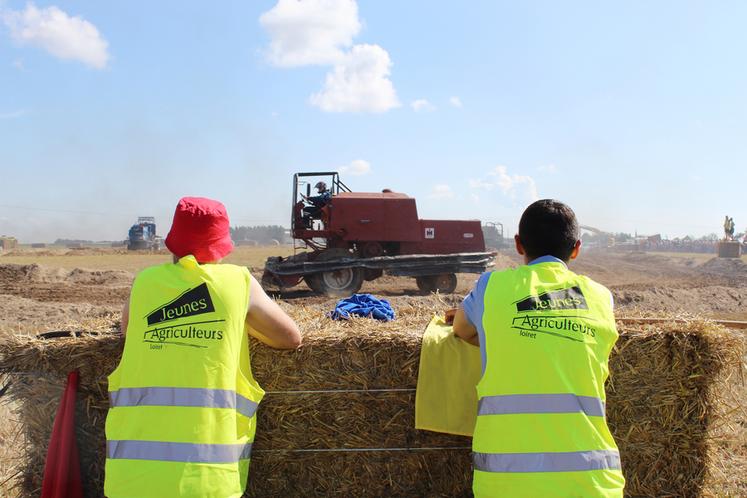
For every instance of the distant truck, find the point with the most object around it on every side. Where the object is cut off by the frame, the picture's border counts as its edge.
(142, 235)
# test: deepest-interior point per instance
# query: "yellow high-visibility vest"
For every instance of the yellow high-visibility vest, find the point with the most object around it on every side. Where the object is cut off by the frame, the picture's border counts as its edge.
(541, 429)
(183, 399)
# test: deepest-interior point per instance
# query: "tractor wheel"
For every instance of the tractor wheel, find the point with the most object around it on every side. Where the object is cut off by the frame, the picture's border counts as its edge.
(337, 282)
(369, 274)
(445, 283)
(313, 282)
(280, 281)
(425, 284)
(371, 250)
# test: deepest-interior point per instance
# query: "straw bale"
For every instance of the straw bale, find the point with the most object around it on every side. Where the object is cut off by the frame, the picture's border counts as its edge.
(345, 420)
(436, 473)
(674, 404)
(671, 403)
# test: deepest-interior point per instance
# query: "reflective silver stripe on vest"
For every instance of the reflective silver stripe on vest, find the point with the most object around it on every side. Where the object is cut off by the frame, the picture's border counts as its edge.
(182, 396)
(177, 452)
(540, 403)
(547, 462)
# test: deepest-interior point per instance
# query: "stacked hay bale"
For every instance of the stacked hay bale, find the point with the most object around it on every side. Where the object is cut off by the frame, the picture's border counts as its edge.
(676, 409)
(339, 414)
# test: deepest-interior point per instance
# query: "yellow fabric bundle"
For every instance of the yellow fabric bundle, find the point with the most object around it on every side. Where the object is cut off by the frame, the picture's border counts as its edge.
(446, 399)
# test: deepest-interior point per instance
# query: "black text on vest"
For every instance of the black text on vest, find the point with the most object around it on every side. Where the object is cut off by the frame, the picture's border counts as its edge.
(193, 302)
(564, 299)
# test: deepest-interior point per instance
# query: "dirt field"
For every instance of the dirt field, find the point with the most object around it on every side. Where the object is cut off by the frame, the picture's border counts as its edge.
(43, 290)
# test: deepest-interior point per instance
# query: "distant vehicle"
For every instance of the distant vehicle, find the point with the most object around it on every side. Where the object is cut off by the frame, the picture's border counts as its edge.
(493, 234)
(7, 243)
(600, 238)
(357, 236)
(142, 235)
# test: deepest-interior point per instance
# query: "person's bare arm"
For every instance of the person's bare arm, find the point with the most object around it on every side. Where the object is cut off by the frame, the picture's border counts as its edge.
(465, 330)
(268, 323)
(125, 317)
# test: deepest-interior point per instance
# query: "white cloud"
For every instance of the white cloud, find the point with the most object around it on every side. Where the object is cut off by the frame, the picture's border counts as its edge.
(422, 105)
(516, 187)
(441, 191)
(548, 168)
(61, 35)
(455, 102)
(481, 184)
(321, 32)
(359, 83)
(357, 167)
(310, 31)
(13, 114)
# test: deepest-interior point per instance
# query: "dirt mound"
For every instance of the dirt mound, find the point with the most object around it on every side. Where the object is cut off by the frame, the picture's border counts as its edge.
(715, 299)
(99, 277)
(728, 267)
(34, 273)
(23, 273)
(32, 252)
(66, 286)
(95, 251)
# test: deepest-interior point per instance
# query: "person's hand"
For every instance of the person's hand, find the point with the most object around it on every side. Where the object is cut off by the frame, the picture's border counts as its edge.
(464, 329)
(449, 316)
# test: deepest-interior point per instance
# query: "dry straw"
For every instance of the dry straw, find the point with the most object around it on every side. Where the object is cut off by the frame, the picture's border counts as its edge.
(339, 414)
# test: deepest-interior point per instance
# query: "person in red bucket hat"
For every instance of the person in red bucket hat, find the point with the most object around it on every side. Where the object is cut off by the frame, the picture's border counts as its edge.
(200, 228)
(183, 399)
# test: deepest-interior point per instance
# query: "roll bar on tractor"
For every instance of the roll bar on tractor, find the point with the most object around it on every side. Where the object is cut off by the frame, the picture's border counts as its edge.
(301, 183)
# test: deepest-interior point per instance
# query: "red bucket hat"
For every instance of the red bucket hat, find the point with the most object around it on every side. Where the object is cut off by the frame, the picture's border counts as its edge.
(200, 228)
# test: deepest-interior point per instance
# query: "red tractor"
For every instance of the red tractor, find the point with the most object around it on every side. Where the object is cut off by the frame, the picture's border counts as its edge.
(357, 236)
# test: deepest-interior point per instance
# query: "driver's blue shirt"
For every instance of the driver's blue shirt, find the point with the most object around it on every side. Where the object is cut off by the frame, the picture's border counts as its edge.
(474, 303)
(321, 199)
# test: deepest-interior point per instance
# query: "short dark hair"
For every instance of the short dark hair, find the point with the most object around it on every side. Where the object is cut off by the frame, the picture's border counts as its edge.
(548, 227)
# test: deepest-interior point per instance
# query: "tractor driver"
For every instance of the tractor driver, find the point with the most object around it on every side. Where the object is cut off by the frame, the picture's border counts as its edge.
(314, 210)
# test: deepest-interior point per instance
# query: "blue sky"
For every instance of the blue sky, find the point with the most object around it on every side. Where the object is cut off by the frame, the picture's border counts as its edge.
(633, 113)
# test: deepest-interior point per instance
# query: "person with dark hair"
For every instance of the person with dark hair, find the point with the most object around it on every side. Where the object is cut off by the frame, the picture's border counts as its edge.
(545, 336)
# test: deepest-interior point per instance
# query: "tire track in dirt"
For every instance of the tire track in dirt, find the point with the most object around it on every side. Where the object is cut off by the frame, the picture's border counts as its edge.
(29, 316)
(67, 293)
